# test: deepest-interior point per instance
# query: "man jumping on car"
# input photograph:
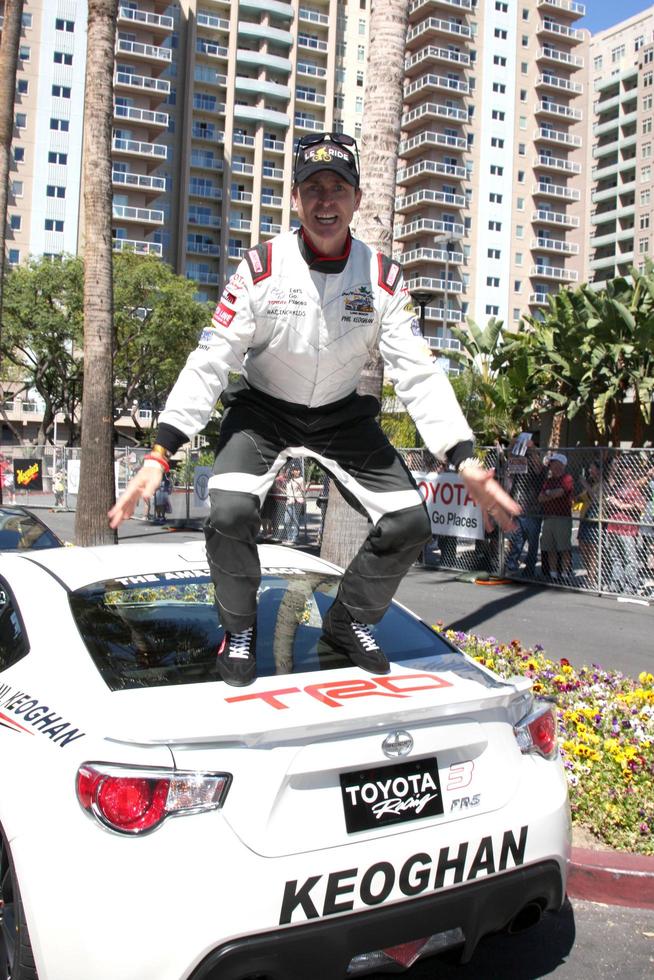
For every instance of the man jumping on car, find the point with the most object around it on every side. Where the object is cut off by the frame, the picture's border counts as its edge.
(299, 319)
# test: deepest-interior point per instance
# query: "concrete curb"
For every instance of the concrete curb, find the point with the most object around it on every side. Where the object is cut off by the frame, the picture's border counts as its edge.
(612, 878)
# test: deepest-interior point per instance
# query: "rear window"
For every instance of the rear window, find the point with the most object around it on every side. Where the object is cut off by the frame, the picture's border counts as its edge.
(20, 532)
(163, 629)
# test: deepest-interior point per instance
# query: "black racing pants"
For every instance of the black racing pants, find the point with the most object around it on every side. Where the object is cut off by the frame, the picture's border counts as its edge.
(258, 436)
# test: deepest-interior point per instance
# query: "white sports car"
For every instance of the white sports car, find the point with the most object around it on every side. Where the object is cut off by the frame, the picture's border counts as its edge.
(156, 824)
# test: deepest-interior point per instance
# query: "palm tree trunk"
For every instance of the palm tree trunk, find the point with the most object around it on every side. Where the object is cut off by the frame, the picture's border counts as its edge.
(96, 491)
(11, 27)
(345, 529)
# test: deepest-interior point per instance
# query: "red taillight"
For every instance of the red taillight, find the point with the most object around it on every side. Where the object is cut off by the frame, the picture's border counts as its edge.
(537, 731)
(132, 801)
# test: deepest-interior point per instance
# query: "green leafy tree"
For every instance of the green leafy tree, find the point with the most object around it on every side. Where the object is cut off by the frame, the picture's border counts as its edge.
(42, 335)
(157, 322)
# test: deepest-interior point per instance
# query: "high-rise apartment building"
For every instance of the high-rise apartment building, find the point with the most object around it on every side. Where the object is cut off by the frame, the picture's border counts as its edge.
(210, 99)
(620, 139)
(515, 126)
(490, 189)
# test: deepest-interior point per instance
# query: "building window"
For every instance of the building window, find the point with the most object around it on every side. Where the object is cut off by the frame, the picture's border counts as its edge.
(524, 40)
(647, 151)
(648, 57)
(522, 123)
(492, 281)
(518, 258)
(617, 54)
(26, 21)
(502, 7)
(646, 174)
(519, 231)
(52, 224)
(361, 53)
(638, 43)
(19, 154)
(15, 222)
(64, 25)
(643, 245)
(499, 60)
(597, 63)
(647, 125)
(17, 190)
(496, 141)
(521, 176)
(54, 157)
(61, 58)
(494, 225)
(14, 256)
(60, 124)
(501, 33)
(494, 253)
(362, 26)
(55, 190)
(21, 120)
(524, 67)
(496, 170)
(499, 87)
(645, 196)
(647, 102)
(644, 222)
(360, 79)
(520, 203)
(495, 198)
(61, 91)
(22, 86)
(24, 52)
(517, 285)
(492, 310)
(358, 105)
(496, 114)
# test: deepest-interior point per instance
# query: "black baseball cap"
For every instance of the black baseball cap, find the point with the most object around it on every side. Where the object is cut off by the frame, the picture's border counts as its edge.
(327, 151)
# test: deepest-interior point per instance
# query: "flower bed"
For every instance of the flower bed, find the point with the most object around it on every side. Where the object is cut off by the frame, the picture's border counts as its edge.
(606, 737)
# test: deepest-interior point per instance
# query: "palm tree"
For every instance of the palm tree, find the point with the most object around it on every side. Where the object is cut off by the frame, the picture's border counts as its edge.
(344, 529)
(13, 15)
(96, 492)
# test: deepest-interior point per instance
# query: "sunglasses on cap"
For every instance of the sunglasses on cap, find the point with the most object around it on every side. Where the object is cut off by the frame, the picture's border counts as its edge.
(312, 139)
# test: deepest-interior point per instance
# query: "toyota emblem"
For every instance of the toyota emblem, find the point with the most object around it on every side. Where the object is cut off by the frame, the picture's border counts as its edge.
(397, 744)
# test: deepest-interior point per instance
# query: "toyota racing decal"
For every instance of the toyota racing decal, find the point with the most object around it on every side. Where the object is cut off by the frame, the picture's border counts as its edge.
(31, 712)
(322, 895)
(333, 693)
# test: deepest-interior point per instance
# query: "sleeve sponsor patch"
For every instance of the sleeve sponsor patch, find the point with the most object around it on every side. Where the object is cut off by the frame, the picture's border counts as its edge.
(223, 316)
(390, 273)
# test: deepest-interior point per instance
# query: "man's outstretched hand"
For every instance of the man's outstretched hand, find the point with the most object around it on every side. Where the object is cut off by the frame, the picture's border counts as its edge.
(497, 506)
(142, 486)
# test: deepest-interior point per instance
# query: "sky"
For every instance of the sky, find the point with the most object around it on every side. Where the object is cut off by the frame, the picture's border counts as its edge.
(601, 14)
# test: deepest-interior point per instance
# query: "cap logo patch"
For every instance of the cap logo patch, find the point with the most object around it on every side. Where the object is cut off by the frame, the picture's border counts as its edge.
(321, 155)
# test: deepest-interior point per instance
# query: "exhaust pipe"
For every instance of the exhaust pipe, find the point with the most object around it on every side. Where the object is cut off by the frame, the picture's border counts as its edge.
(528, 916)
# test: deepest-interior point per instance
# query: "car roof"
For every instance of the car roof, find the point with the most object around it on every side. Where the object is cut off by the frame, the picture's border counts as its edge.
(77, 567)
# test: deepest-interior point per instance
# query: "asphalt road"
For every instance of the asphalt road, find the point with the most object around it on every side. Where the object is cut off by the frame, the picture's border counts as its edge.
(584, 941)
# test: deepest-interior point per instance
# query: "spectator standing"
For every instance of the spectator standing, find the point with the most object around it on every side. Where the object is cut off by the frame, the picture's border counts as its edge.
(588, 535)
(624, 504)
(556, 500)
(295, 496)
(525, 488)
(646, 541)
(162, 500)
(58, 487)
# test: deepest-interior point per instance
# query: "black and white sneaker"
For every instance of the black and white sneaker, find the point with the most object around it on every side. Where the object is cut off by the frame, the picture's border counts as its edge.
(236, 661)
(355, 639)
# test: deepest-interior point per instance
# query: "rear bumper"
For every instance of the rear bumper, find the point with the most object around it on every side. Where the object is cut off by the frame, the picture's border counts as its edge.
(323, 950)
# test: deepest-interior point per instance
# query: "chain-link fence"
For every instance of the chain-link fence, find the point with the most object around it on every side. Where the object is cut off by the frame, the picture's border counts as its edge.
(587, 518)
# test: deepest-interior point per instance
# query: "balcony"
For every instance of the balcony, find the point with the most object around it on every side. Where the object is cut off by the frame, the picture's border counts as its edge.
(212, 106)
(143, 83)
(315, 71)
(410, 202)
(434, 285)
(313, 16)
(240, 224)
(271, 200)
(305, 95)
(559, 110)
(548, 53)
(206, 161)
(562, 84)
(210, 76)
(455, 230)
(544, 161)
(464, 6)
(559, 218)
(566, 6)
(148, 52)
(141, 182)
(205, 190)
(301, 122)
(203, 278)
(143, 18)
(556, 190)
(313, 43)
(276, 146)
(202, 248)
(139, 148)
(210, 50)
(199, 132)
(239, 167)
(269, 229)
(157, 120)
(203, 220)
(432, 110)
(429, 167)
(555, 245)
(554, 272)
(429, 83)
(420, 142)
(133, 245)
(272, 173)
(245, 197)
(212, 22)
(538, 299)
(547, 135)
(561, 30)
(433, 53)
(418, 255)
(433, 26)
(144, 216)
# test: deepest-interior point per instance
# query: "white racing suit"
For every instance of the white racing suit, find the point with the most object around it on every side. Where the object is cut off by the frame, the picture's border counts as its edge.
(300, 328)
